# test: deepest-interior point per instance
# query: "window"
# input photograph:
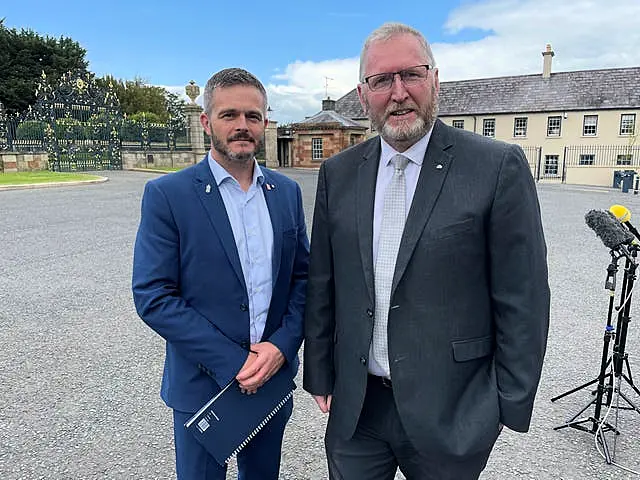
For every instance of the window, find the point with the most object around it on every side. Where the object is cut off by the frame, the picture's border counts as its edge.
(489, 127)
(587, 159)
(553, 126)
(627, 124)
(457, 124)
(551, 165)
(520, 127)
(353, 139)
(624, 159)
(316, 149)
(590, 126)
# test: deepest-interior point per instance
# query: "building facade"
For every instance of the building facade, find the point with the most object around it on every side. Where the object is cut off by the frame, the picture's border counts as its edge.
(575, 127)
(317, 138)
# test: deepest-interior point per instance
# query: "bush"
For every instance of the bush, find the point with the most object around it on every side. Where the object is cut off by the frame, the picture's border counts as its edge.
(31, 130)
(149, 117)
(99, 126)
(131, 131)
(70, 128)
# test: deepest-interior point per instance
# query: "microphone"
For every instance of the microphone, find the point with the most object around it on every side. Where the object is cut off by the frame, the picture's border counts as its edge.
(607, 227)
(623, 214)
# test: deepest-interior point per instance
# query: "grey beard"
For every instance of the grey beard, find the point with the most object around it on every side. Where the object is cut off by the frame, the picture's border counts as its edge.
(414, 132)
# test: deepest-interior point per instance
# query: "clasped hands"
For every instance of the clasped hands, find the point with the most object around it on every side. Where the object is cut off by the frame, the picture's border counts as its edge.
(264, 360)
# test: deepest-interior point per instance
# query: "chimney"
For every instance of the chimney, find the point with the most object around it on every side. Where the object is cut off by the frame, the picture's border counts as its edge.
(546, 65)
(328, 104)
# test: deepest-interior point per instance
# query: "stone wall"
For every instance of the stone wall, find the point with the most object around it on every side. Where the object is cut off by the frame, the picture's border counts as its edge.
(28, 162)
(160, 159)
(23, 162)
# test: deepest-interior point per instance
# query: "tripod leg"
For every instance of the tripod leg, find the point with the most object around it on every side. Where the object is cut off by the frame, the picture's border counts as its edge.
(569, 422)
(574, 390)
(626, 399)
(605, 448)
(630, 383)
(626, 362)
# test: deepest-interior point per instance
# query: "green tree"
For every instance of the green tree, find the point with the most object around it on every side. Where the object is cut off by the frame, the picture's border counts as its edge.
(137, 96)
(24, 55)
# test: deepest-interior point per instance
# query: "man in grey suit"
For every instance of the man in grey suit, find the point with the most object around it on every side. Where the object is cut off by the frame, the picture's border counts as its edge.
(428, 299)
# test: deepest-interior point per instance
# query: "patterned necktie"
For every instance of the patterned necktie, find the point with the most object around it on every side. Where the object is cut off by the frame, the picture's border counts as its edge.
(391, 228)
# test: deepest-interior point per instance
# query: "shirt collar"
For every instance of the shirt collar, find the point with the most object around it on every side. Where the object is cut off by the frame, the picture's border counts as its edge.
(220, 174)
(415, 153)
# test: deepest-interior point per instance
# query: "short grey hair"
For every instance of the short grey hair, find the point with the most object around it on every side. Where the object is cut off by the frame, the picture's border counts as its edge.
(387, 31)
(230, 77)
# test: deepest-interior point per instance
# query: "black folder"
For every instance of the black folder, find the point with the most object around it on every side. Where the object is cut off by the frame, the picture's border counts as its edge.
(230, 420)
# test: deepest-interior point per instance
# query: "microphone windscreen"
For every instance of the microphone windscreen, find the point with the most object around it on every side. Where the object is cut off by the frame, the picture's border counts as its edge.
(608, 228)
(621, 212)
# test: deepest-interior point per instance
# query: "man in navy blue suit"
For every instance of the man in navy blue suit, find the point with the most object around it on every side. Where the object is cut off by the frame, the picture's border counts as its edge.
(220, 272)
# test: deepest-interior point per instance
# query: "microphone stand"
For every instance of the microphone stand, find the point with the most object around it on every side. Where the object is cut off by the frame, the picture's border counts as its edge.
(578, 423)
(620, 357)
(606, 387)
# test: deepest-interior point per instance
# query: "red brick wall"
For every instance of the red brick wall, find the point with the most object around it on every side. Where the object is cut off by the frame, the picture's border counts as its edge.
(333, 142)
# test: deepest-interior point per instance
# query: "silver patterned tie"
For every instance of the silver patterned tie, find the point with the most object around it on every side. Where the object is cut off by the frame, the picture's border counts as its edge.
(393, 219)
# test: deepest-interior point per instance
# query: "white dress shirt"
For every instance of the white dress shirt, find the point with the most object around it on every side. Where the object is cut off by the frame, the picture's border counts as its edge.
(415, 154)
(252, 230)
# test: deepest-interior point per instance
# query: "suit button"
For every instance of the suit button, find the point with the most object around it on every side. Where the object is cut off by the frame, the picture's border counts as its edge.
(244, 344)
(244, 307)
(369, 313)
(363, 360)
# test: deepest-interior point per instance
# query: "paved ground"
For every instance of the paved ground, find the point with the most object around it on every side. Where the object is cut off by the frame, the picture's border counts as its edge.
(80, 373)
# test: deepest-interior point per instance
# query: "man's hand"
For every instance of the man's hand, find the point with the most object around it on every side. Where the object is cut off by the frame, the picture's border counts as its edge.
(268, 360)
(324, 402)
(251, 358)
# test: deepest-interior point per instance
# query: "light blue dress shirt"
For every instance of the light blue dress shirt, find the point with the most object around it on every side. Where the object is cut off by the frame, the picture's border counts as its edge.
(253, 233)
(415, 154)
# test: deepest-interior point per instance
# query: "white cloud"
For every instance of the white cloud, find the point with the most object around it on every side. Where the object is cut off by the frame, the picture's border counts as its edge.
(298, 91)
(180, 91)
(585, 34)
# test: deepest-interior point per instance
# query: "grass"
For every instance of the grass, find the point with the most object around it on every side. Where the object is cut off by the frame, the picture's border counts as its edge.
(23, 178)
(164, 169)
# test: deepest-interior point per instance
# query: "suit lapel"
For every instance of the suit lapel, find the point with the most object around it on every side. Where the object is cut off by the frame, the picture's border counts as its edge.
(432, 175)
(272, 196)
(209, 194)
(365, 195)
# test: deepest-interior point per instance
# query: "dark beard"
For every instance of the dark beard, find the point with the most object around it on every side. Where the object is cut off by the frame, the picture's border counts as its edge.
(242, 157)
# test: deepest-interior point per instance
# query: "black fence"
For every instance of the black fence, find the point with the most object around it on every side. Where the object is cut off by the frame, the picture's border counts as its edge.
(602, 156)
(533, 155)
(554, 165)
(31, 135)
(153, 136)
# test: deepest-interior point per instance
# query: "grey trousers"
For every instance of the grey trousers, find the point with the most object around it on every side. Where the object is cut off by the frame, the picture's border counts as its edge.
(380, 446)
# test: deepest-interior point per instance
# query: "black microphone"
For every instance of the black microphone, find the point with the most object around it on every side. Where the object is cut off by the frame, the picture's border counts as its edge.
(607, 227)
(623, 214)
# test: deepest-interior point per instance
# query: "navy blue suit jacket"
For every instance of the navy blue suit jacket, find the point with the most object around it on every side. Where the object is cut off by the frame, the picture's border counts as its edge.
(188, 284)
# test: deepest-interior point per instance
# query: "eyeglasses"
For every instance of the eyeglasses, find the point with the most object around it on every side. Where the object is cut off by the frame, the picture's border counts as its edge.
(409, 77)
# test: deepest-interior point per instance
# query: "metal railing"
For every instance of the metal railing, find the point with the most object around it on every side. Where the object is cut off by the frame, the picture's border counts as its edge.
(602, 156)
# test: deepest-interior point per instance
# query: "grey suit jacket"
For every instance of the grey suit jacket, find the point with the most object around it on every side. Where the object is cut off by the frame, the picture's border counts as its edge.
(470, 299)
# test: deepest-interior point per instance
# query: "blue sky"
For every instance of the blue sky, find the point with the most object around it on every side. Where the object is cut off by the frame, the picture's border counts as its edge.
(293, 45)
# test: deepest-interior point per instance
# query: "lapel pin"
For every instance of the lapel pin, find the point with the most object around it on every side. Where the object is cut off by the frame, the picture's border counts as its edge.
(439, 166)
(207, 189)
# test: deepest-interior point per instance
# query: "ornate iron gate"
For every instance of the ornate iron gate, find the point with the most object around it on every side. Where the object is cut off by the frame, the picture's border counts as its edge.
(79, 122)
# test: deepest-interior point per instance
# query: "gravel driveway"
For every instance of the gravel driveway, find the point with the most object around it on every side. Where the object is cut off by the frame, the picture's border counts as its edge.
(80, 372)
